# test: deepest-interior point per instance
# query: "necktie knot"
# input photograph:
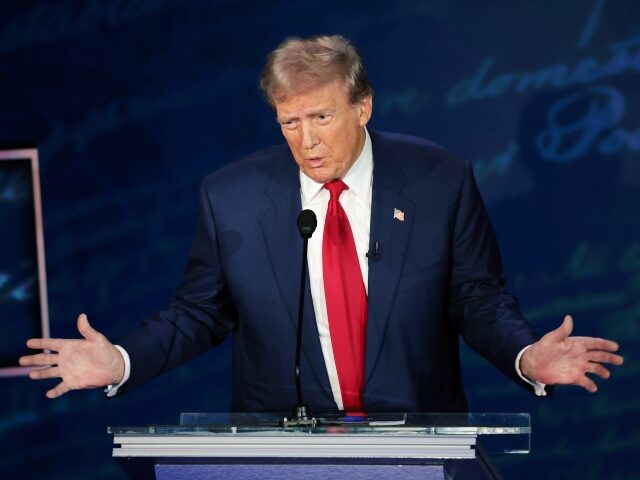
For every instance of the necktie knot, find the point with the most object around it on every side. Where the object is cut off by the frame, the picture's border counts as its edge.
(335, 187)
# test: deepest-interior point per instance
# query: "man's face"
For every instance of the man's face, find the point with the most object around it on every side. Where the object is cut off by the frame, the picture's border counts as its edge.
(324, 131)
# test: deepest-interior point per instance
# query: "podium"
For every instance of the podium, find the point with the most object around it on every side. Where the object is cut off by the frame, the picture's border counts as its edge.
(267, 446)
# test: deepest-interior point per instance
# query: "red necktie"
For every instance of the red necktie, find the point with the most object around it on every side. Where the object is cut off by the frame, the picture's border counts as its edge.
(346, 299)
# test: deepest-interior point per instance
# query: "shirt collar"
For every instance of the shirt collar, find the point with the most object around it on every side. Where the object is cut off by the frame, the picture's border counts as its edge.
(358, 177)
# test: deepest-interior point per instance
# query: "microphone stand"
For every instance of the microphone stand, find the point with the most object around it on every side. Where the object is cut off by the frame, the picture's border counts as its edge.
(301, 416)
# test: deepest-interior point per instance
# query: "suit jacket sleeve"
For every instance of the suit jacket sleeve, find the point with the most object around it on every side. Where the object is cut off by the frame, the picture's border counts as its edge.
(488, 318)
(198, 317)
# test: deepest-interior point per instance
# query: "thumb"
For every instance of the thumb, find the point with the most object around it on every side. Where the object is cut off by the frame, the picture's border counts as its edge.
(564, 330)
(86, 330)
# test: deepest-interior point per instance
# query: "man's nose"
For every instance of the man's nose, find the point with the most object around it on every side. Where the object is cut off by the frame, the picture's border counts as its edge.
(309, 137)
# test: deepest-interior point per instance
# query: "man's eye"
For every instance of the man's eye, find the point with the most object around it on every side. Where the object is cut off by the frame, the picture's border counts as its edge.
(324, 118)
(289, 124)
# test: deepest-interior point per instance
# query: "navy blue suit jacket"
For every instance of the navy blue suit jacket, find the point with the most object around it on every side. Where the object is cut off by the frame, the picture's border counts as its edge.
(439, 274)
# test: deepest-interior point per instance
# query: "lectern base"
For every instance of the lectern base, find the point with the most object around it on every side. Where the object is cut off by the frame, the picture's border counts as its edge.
(479, 468)
(300, 472)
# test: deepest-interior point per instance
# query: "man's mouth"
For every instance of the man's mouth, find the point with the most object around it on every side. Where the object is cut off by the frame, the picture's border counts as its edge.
(315, 162)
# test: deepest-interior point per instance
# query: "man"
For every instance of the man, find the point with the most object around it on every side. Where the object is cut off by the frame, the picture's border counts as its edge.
(403, 260)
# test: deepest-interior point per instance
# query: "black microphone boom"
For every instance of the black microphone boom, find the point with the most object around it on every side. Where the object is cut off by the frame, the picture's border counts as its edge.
(307, 224)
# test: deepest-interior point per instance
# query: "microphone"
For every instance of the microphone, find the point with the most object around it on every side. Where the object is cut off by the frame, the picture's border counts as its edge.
(373, 255)
(307, 224)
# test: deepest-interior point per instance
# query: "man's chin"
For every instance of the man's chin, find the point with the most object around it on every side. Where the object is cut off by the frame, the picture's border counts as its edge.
(319, 175)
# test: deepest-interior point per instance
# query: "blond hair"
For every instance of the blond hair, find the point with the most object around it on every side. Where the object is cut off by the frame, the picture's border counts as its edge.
(300, 64)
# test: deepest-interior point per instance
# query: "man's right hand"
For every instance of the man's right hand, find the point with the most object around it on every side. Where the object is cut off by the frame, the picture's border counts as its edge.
(88, 363)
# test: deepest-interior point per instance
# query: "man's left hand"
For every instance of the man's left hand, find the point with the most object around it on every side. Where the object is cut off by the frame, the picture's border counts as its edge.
(559, 359)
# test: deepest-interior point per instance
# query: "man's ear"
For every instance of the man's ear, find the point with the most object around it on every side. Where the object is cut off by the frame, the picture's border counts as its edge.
(365, 108)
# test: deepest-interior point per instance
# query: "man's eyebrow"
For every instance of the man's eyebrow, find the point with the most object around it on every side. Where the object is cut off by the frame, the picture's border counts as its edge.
(321, 110)
(285, 118)
(309, 113)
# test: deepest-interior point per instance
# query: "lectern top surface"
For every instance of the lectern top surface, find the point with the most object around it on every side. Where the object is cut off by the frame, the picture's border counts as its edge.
(385, 424)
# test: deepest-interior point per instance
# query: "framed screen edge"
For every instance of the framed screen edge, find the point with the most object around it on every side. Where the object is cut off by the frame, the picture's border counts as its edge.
(32, 154)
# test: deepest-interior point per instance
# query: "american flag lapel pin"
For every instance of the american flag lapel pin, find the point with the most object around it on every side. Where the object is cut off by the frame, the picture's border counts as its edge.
(398, 215)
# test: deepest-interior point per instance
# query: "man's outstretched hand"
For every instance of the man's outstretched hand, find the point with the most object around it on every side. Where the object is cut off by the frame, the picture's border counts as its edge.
(87, 363)
(559, 359)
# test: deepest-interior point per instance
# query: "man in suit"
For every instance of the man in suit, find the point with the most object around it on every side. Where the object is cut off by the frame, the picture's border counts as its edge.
(403, 260)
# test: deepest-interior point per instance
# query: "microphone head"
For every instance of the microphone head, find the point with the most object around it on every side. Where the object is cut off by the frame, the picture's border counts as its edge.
(307, 223)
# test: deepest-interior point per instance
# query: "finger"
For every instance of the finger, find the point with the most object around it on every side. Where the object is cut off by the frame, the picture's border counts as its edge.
(588, 384)
(564, 330)
(39, 359)
(41, 373)
(598, 370)
(59, 390)
(86, 330)
(54, 344)
(593, 343)
(604, 357)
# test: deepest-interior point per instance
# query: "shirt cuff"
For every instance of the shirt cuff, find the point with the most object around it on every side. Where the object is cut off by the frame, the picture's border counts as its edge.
(538, 387)
(112, 390)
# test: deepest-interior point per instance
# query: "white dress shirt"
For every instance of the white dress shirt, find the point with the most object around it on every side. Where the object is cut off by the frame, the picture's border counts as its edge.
(356, 202)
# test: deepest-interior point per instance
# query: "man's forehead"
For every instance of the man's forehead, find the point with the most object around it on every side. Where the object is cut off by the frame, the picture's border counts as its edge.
(310, 100)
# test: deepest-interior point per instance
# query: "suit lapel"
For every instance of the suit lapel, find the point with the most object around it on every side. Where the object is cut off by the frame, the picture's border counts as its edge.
(278, 225)
(392, 234)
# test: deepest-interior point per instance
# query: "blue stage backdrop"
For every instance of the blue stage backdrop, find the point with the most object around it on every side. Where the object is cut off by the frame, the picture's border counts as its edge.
(131, 102)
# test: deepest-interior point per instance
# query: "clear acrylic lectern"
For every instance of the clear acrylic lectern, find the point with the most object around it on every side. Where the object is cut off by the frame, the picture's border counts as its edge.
(265, 446)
